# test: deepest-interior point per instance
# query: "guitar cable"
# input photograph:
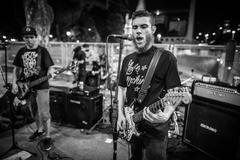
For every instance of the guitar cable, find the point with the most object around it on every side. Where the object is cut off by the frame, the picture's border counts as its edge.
(51, 156)
(1, 70)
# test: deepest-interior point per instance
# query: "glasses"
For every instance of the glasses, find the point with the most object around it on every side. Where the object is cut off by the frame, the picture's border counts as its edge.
(29, 37)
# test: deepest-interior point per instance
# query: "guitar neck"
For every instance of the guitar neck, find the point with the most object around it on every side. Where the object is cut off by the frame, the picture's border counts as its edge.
(174, 96)
(137, 117)
(45, 78)
(39, 80)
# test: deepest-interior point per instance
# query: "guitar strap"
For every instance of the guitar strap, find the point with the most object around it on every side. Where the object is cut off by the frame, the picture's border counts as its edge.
(39, 58)
(146, 84)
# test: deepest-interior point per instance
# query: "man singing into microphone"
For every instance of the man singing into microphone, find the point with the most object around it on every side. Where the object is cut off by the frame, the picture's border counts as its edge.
(152, 143)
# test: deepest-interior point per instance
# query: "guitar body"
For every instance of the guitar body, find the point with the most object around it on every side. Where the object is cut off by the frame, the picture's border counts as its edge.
(174, 97)
(25, 86)
(131, 128)
(23, 90)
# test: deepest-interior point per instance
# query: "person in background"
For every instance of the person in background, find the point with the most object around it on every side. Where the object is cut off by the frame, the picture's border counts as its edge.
(32, 62)
(93, 76)
(152, 144)
(92, 67)
(80, 57)
(103, 69)
(90, 56)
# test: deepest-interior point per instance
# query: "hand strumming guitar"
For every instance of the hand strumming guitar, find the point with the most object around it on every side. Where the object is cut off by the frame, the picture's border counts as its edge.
(14, 88)
(121, 122)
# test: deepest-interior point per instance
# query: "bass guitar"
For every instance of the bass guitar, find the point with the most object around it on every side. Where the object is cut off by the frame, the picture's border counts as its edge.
(173, 97)
(24, 86)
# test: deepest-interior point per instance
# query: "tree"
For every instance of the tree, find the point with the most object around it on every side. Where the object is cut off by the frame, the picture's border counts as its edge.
(39, 15)
(87, 19)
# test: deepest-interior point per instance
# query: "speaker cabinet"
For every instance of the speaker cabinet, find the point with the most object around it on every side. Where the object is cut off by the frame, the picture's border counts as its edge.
(213, 128)
(84, 111)
(58, 102)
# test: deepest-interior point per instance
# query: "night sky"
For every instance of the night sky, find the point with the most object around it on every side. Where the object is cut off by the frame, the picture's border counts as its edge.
(209, 13)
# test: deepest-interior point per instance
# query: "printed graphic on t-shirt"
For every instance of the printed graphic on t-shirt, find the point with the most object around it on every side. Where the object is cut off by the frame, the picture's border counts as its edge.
(135, 74)
(29, 63)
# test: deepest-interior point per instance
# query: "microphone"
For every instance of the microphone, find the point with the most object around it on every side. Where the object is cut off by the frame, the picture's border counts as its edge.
(5, 43)
(123, 36)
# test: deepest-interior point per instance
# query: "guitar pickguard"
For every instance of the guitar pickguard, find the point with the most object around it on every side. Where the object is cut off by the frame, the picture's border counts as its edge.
(130, 125)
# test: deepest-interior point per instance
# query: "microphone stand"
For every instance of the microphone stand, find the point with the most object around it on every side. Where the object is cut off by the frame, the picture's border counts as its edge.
(10, 98)
(115, 105)
(114, 101)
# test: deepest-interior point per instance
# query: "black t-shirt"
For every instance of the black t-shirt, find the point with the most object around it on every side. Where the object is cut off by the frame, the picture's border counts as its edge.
(80, 55)
(27, 60)
(132, 74)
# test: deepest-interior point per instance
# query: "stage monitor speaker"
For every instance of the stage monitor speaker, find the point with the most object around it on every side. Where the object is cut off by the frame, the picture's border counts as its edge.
(58, 102)
(213, 128)
(84, 111)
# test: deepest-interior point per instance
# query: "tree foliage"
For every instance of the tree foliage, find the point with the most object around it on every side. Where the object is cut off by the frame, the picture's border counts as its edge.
(90, 20)
(85, 20)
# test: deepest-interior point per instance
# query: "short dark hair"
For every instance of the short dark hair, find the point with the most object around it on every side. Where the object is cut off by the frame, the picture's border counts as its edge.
(78, 48)
(85, 45)
(143, 13)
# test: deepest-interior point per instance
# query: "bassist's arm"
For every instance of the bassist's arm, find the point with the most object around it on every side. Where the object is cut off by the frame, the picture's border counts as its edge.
(15, 75)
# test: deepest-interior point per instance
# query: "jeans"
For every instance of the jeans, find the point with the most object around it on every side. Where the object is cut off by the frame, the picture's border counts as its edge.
(43, 106)
(147, 147)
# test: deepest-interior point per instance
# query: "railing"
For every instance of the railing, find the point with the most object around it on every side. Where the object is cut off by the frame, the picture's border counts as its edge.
(202, 59)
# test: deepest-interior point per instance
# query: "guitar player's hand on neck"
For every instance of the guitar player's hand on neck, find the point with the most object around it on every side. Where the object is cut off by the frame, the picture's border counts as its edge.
(161, 116)
(52, 71)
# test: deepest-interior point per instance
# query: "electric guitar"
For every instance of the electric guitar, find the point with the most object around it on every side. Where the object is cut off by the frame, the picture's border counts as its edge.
(24, 86)
(173, 96)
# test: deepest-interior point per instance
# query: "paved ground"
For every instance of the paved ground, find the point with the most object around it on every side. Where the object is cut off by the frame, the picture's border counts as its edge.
(75, 144)
(68, 142)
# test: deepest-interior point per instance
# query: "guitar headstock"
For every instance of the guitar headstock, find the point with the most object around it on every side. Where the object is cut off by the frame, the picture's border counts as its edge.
(177, 95)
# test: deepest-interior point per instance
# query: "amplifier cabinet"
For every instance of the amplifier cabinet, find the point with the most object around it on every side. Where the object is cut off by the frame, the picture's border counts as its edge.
(84, 111)
(212, 127)
(58, 102)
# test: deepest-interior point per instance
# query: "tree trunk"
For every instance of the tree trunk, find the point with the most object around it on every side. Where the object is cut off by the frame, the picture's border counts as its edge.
(40, 16)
